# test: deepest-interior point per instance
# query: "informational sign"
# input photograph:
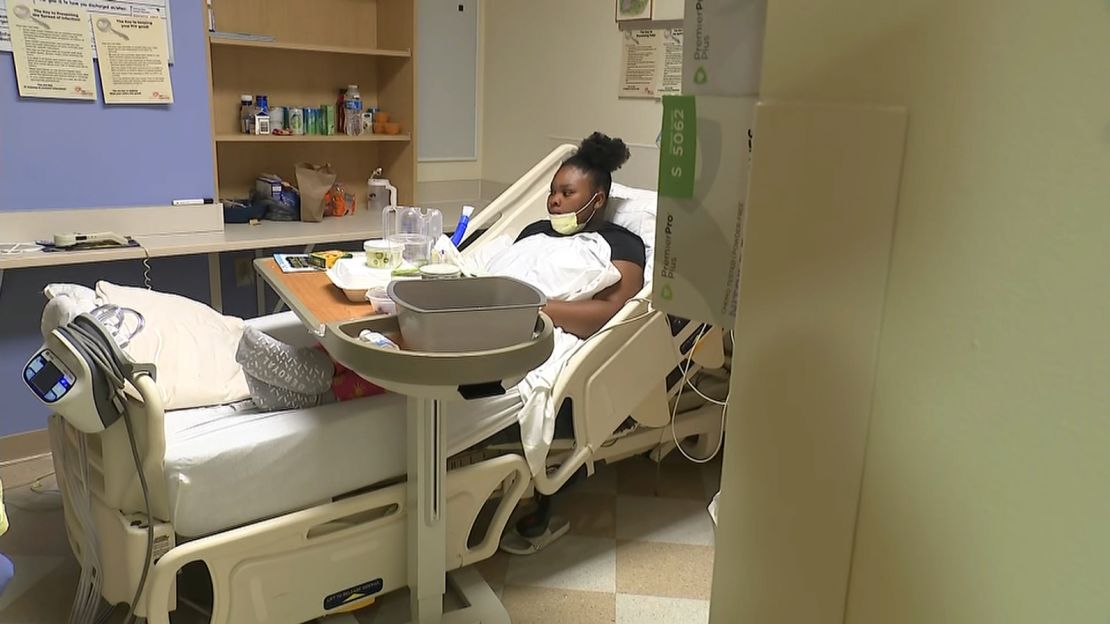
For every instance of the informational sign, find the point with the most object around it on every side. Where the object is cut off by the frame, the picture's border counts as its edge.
(97, 8)
(134, 68)
(651, 63)
(51, 50)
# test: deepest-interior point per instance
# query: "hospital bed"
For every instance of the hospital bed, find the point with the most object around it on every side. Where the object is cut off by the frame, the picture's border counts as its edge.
(294, 520)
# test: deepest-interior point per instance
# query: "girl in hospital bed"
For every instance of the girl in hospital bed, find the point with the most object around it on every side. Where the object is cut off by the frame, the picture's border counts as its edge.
(588, 268)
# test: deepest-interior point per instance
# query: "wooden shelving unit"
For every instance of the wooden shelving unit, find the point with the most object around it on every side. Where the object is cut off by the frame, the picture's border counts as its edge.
(304, 47)
(319, 47)
(310, 138)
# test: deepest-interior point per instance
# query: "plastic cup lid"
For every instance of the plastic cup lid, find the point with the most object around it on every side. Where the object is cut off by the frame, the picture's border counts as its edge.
(440, 269)
(381, 244)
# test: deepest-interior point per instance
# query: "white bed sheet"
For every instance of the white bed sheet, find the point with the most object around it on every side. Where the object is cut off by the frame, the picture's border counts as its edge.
(230, 465)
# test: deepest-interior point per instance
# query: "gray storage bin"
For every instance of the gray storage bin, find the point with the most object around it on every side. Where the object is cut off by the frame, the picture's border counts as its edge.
(468, 314)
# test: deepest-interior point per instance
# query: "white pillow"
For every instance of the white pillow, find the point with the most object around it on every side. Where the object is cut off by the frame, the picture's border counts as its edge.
(64, 303)
(635, 209)
(192, 345)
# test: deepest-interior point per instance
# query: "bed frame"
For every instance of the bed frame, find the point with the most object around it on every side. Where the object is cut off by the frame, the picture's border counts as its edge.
(340, 554)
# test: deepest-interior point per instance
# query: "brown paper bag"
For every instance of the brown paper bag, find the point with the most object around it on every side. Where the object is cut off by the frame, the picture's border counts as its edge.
(313, 181)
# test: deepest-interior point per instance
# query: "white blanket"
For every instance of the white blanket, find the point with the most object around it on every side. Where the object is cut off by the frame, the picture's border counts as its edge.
(572, 268)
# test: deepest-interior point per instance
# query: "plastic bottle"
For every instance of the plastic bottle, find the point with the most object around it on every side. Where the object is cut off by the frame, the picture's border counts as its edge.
(352, 113)
(246, 104)
(380, 341)
(340, 118)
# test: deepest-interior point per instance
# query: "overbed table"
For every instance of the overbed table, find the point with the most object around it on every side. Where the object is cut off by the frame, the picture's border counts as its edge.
(428, 380)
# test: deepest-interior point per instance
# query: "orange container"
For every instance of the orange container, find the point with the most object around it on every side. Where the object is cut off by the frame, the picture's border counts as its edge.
(392, 128)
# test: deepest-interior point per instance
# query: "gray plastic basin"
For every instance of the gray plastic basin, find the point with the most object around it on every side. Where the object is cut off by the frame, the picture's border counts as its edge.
(467, 314)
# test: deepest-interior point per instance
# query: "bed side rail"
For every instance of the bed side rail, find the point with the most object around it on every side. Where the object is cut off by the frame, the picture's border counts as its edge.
(112, 474)
(597, 381)
(523, 202)
(605, 379)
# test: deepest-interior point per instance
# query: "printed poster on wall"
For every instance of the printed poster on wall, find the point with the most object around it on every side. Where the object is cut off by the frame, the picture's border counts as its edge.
(134, 64)
(134, 8)
(51, 50)
(651, 63)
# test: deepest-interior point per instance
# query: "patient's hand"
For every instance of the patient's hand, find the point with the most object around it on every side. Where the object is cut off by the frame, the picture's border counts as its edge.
(585, 318)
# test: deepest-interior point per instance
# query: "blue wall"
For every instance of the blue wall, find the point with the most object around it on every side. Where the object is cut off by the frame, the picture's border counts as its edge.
(57, 154)
(106, 156)
(71, 154)
(21, 303)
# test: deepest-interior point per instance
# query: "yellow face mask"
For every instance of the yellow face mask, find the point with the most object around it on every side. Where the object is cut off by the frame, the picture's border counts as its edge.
(567, 223)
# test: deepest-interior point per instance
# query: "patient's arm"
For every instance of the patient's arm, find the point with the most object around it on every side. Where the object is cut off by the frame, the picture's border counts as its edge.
(585, 318)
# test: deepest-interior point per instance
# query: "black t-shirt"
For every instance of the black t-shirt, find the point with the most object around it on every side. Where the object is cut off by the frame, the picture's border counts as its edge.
(624, 244)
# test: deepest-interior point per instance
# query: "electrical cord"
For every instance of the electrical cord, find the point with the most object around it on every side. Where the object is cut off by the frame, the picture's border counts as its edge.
(107, 615)
(149, 520)
(18, 248)
(146, 267)
(105, 359)
(694, 386)
(674, 410)
(37, 503)
(23, 460)
(33, 483)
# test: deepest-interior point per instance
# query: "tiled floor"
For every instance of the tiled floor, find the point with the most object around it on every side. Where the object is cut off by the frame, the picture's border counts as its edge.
(639, 550)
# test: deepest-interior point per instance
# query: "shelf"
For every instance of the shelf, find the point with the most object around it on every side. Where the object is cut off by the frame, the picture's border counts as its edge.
(312, 138)
(307, 47)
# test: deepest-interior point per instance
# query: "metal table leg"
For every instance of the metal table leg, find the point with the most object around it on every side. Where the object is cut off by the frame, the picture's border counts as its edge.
(215, 288)
(427, 536)
(260, 288)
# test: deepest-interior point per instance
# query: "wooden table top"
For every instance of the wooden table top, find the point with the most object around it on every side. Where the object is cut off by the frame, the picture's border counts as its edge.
(314, 293)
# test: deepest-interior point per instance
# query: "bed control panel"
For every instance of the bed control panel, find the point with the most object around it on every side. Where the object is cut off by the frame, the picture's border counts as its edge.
(48, 377)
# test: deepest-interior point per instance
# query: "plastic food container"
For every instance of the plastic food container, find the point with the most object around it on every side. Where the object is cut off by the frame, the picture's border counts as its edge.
(354, 278)
(439, 271)
(382, 254)
(470, 314)
(378, 296)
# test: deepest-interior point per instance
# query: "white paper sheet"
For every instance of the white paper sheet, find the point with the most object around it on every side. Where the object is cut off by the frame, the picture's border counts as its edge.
(51, 52)
(651, 63)
(133, 8)
(134, 66)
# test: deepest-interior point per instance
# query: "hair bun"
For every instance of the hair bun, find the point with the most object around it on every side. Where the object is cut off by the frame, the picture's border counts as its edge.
(603, 152)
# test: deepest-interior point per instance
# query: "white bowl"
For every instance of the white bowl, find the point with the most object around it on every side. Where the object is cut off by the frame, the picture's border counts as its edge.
(354, 278)
(379, 298)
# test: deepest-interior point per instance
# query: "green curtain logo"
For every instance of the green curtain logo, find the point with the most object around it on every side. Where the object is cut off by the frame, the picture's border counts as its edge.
(677, 154)
(700, 75)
